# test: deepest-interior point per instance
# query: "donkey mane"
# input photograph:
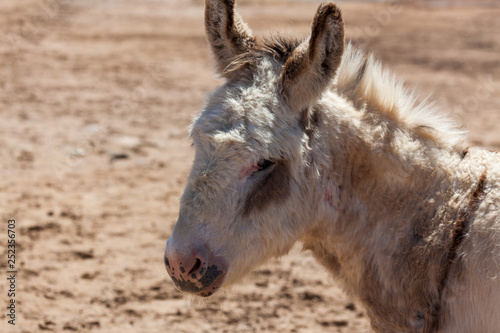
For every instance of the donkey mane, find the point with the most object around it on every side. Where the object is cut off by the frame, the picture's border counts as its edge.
(362, 80)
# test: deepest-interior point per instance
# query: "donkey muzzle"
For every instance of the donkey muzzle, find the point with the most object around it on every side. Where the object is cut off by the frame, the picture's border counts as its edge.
(194, 269)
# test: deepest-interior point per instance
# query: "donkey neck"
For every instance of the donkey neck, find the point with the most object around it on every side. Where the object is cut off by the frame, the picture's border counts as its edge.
(384, 198)
(371, 156)
(378, 183)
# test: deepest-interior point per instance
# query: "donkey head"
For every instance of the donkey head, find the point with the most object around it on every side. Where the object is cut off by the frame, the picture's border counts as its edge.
(248, 194)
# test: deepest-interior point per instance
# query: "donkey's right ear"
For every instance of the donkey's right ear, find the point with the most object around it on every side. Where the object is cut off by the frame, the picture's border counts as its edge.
(227, 34)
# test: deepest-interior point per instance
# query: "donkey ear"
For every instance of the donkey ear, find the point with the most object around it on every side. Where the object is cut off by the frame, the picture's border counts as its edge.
(227, 34)
(314, 63)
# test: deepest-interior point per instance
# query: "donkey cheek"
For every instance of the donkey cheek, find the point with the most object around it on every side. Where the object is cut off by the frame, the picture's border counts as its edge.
(328, 198)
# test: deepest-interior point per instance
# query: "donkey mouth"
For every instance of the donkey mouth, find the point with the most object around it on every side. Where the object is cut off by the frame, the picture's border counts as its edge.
(211, 281)
(212, 288)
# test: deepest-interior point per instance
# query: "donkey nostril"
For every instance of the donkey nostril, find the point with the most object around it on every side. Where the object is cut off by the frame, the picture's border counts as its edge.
(196, 266)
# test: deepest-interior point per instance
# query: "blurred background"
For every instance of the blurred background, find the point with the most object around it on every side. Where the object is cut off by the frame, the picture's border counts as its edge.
(95, 101)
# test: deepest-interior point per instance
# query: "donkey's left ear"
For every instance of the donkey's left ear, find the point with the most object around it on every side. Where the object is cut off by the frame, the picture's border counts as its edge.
(314, 63)
(227, 34)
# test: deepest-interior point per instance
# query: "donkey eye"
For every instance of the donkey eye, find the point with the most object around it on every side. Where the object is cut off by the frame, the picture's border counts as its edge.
(264, 164)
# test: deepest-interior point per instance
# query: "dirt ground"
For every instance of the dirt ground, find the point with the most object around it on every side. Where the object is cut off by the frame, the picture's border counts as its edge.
(95, 100)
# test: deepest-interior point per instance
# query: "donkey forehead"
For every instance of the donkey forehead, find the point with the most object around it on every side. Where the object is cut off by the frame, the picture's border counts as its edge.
(245, 111)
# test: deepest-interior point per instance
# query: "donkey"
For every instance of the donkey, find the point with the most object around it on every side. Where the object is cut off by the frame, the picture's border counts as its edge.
(311, 140)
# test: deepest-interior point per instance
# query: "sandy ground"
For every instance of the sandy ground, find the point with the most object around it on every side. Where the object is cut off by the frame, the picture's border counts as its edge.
(84, 84)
